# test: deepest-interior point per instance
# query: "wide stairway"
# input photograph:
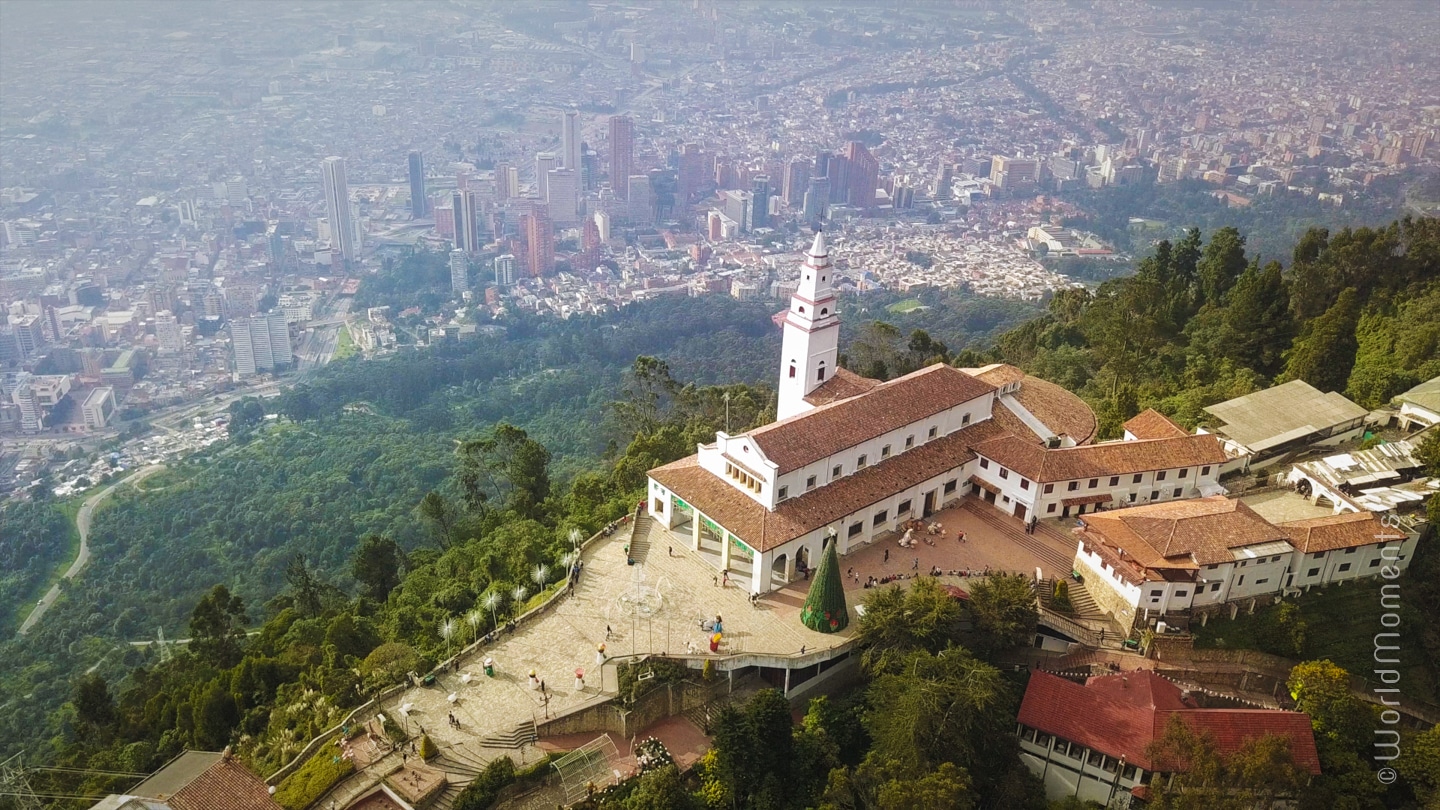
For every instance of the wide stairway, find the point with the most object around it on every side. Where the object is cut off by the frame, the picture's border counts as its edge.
(517, 737)
(460, 769)
(1083, 610)
(1053, 561)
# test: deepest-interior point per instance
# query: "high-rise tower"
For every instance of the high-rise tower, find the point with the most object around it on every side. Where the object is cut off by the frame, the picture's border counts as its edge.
(337, 203)
(622, 153)
(570, 141)
(810, 347)
(419, 205)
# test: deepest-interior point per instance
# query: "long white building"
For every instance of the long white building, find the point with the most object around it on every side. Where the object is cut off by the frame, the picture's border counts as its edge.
(851, 458)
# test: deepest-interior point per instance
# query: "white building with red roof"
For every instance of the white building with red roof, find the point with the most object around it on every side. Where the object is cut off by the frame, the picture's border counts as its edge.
(852, 458)
(1094, 740)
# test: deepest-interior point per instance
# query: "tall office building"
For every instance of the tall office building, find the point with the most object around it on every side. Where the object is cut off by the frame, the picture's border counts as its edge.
(739, 206)
(168, 333)
(506, 183)
(337, 204)
(864, 175)
(622, 153)
(640, 208)
(419, 205)
(1008, 172)
(817, 198)
(505, 269)
(459, 272)
(690, 174)
(760, 201)
(469, 233)
(839, 174)
(570, 141)
(539, 242)
(797, 182)
(261, 343)
(563, 196)
(544, 162)
(602, 225)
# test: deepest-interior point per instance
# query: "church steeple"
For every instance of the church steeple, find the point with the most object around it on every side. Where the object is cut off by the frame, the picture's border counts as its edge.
(811, 343)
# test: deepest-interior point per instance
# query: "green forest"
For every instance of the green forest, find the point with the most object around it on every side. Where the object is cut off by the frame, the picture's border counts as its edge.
(387, 495)
(34, 539)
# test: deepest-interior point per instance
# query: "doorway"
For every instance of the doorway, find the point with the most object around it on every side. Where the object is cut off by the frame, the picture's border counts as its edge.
(929, 504)
(1019, 510)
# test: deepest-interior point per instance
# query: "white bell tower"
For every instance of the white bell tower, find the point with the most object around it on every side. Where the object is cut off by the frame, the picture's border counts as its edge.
(810, 348)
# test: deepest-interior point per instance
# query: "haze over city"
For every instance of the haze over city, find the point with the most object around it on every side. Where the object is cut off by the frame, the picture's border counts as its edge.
(348, 348)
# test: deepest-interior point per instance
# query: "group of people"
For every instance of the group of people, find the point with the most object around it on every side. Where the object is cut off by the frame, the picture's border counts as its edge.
(935, 571)
(454, 721)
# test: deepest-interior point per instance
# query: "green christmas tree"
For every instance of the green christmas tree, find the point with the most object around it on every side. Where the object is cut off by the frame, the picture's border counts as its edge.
(824, 609)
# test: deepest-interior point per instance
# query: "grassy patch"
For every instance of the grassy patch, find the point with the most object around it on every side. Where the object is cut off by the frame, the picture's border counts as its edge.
(902, 307)
(305, 786)
(1340, 624)
(345, 344)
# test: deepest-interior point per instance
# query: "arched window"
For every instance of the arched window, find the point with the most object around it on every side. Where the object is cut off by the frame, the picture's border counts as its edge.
(825, 311)
(802, 309)
(820, 373)
(822, 278)
(792, 371)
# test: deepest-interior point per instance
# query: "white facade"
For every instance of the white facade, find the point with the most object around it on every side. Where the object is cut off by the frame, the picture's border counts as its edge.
(570, 141)
(562, 194)
(99, 407)
(1070, 769)
(811, 344)
(459, 272)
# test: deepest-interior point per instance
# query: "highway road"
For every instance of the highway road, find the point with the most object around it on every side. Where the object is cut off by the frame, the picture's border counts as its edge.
(82, 523)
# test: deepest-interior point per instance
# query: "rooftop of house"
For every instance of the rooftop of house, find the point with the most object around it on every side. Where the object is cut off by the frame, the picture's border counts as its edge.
(1425, 395)
(1124, 715)
(829, 429)
(1282, 413)
(1185, 534)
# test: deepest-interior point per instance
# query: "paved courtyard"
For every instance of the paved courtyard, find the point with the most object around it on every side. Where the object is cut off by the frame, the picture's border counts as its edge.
(655, 607)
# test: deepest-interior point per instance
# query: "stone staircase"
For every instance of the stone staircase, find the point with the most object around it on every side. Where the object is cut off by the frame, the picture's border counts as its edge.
(704, 715)
(460, 769)
(518, 737)
(640, 539)
(1083, 610)
(1014, 530)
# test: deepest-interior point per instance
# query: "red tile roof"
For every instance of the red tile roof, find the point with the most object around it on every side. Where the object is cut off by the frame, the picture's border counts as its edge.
(1102, 460)
(1055, 407)
(763, 530)
(227, 785)
(1200, 531)
(1347, 530)
(1122, 715)
(829, 429)
(843, 385)
(1151, 424)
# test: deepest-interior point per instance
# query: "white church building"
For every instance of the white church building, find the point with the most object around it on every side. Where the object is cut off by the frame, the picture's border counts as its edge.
(850, 458)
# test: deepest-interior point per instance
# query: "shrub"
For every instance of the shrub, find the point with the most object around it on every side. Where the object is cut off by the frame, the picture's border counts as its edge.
(305, 786)
(1060, 597)
(427, 748)
(482, 793)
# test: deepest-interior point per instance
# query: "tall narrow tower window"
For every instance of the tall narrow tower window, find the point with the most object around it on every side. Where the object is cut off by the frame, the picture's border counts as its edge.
(792, 371)
(820, 373)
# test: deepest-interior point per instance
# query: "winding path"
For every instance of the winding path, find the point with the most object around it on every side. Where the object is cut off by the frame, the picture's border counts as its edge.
(82, 523)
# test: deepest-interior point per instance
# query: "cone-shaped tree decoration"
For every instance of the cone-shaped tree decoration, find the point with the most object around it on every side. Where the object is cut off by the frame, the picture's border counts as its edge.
(824, 609)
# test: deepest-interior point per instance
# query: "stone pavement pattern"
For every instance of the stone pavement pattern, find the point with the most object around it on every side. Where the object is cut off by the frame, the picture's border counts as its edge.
(566, 637)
